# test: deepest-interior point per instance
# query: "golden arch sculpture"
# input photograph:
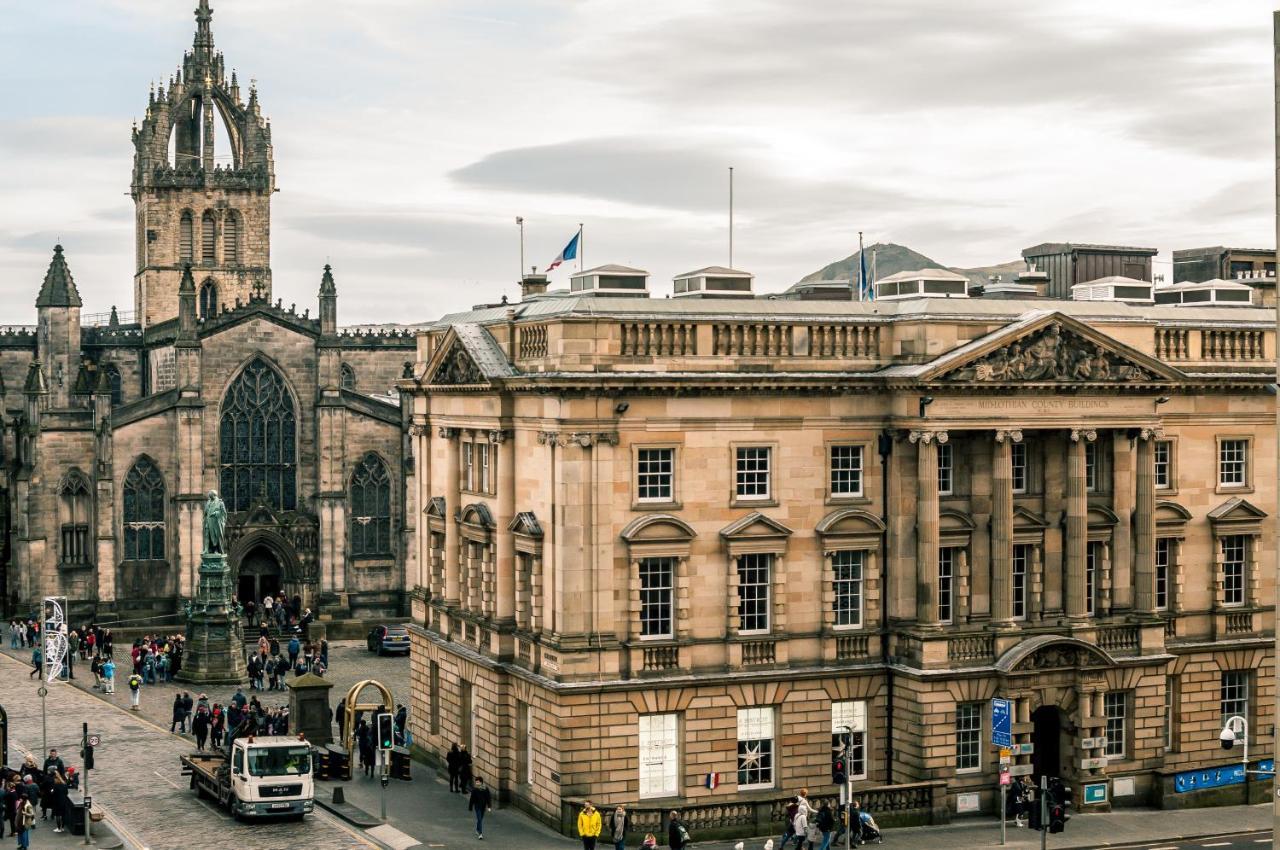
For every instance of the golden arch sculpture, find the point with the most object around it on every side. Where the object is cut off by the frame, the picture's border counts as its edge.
(353, 707)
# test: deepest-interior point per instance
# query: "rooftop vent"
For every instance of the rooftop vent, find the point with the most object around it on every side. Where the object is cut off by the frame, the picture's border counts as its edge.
(611, 280)
(532, 283)
(924, 283)
(1223, 293)
(714, 282)
(1114, 288)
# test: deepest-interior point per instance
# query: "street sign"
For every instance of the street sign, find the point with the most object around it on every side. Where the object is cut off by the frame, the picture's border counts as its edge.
(1005, 761)
(1024, 749)
(94, 740)
(1005, 752)
(1095, 793)
(1022, 769)
(42, 691)
(1091, 743)
(1005, 777)
(1001, 722)
(1093, 764)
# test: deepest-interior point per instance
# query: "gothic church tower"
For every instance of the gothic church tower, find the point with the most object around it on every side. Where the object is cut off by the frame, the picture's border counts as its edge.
(192, 206)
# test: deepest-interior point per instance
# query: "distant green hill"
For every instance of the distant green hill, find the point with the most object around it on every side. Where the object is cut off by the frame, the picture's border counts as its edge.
(891, 259)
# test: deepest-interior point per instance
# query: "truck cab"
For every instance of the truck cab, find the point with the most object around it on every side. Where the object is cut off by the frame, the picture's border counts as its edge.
(271, 776)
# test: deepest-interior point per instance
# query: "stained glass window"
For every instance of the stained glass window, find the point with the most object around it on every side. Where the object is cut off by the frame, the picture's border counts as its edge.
(370, 508)
(348, 377)
(208, 299)
(259, 439)
(144, 525)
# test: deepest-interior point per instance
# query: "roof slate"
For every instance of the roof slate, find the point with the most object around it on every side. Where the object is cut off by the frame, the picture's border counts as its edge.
(59, 288)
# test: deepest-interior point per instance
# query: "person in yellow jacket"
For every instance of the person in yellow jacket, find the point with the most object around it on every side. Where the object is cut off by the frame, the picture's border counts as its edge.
(589, 826)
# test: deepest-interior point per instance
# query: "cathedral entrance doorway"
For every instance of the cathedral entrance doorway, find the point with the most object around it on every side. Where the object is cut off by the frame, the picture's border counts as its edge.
(1047, 740)
(260, 575)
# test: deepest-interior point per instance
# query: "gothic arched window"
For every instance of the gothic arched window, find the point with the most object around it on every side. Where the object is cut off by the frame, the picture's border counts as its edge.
(73, 514)
(144, 525)
(258, 440)
(186, 238)
(348, 377)
(231, 239)
(208, 239)
(113, 380)
(370, 508)
(208, 299)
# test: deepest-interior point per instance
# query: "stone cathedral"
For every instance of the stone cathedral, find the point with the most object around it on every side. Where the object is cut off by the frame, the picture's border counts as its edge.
(116, 426)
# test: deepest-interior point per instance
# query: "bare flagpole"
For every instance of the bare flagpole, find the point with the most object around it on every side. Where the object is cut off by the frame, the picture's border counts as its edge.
(862, 274)
(731, 216)
(520, 222)
(582, 252)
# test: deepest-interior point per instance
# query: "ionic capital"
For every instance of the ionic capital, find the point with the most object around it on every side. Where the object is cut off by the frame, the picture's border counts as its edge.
(448, 433)
(1156, 433)
(1082, 434)
(924, 438)
(1013, 436)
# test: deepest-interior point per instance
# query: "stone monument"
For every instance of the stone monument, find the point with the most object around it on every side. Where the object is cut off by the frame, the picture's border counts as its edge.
(215, 634)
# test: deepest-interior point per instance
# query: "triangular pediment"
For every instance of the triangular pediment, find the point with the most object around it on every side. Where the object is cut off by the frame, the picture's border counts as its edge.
(1024, 518)
(468, 356)
(435, 507)
(1048, 348)
(526, 523)
(753, 525)
(1236, 509)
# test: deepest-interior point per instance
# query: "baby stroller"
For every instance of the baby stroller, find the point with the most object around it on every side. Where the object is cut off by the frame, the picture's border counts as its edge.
(870, 831)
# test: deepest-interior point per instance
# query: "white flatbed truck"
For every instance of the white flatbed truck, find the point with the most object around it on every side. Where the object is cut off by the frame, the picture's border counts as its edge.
(264, 776)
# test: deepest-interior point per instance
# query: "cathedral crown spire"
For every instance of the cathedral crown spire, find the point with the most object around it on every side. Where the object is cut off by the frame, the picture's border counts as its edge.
(204, 32)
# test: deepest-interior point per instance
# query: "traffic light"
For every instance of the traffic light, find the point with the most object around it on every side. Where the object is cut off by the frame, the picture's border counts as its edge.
(839, 776)
(1057, 818)
(87, 755)
(386, 732)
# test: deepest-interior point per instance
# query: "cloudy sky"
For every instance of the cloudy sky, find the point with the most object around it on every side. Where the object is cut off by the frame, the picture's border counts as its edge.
(410, 133)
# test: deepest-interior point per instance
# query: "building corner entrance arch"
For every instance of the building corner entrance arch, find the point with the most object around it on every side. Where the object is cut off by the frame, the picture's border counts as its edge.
(353, 706)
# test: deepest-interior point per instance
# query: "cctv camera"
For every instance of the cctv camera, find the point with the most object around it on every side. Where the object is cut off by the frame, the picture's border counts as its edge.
(1227, 738)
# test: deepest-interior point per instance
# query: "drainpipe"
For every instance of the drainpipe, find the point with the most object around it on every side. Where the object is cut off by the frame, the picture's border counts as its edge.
(885, 449)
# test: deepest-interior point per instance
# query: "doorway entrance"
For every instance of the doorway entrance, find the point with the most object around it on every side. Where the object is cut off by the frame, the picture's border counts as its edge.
(260, 575)
(1046, 738)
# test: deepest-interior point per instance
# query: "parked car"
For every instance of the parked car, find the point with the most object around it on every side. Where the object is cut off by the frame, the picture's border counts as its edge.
(389, 638)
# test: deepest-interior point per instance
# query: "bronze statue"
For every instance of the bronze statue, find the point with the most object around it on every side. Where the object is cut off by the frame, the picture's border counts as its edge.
(215, 524)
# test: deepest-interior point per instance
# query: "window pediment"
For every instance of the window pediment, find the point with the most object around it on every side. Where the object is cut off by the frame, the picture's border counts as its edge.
(850, 528)
(478, 516)
(755, 532)
(1237, 516)
(1171, 516)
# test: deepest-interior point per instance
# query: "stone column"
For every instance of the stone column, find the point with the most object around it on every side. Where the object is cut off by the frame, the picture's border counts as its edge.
(452, 503)
(1144, 526)
(504, 445)
(1077, 537)
(1002, 527)
(927, 524)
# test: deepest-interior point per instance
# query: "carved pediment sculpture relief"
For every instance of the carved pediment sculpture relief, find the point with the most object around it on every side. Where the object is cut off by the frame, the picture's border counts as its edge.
(457, 368)
(1051, 354)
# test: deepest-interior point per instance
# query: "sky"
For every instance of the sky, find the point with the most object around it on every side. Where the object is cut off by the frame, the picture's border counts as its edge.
(409, 134)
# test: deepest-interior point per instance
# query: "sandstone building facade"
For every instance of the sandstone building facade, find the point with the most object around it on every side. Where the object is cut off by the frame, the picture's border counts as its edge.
(116, 426)
(670, 547)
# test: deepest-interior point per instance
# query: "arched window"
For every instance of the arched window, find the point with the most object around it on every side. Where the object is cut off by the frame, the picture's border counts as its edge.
(113, 380)
(370, 509)
(186, 238)
(208, 239)
(144, 525)
(231, 239)
(208, 299)
(258, 440)
(73, 511)
(348, 377)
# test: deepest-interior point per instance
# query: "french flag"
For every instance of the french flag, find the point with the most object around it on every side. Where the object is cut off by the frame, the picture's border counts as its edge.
(570, 252)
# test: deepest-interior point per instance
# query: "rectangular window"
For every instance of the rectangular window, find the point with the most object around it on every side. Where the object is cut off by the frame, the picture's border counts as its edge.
(1164, 464)
(657, 581)
(946, 469)
(466, 715)
(850, 718)
(753, 472)
(528, 745)
(1092, 565)
(754, 571)
(946, 575)
(1235, 695)
(1115, 709)
(847, 566)
(1091, 467)
(1018, 454)
(659, 755)
(1233, 463)
(468, 467)
(1021, 566)
(435, 698)
(75, 543)
(482, 477)
(968, 736)
(1233, 549)
(846, 471)
(1170, 713)
(1164, 549)
(755, 748)
(655, 475)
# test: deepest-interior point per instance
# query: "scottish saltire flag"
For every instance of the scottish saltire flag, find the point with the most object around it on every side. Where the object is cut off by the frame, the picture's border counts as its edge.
(570, 251)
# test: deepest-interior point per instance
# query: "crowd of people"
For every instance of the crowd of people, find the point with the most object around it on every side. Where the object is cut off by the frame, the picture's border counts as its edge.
(33, 787)
(268, 667)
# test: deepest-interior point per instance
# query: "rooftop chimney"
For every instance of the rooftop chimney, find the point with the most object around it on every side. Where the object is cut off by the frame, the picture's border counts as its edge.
(533, 283)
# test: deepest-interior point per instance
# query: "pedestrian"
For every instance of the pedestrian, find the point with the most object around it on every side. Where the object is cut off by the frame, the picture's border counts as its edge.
(26, 818)
(135, 691)
(294, 648)
(589, 826)
(54, 763)
(73, 649)
(179, 717)
(324, 652)
(37, 660)
(187, 705)
(464, 769)
(217, 723)
(453, 761)
(13, 636)
(59, 803)
(200, 727)
(825, 823)
(364, 738)
(618, 826)
(480, 801)
(651, 843)
(677, 835)
(109, 676)
(800, 826)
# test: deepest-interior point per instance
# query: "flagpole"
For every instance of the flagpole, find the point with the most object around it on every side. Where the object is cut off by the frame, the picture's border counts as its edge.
(582, 254)
(731, 216)
(520, 222)
(862, 274)
(873, 265)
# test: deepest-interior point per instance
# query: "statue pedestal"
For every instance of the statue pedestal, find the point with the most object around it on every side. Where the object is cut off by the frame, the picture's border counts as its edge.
(215, 636)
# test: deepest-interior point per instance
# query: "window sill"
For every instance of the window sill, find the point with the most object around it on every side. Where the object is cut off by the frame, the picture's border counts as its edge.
(968, 771)
(1233, 489)
(766, 787)
(740, 502)
(657, 506)
(63, 565)
(844, 630)
(849, 500)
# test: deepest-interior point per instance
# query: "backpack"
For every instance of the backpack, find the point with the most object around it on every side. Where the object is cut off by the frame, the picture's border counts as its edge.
(135, 682)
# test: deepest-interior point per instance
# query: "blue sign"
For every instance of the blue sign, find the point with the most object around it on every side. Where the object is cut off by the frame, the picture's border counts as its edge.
(1001, 722)
(1094, 793)
(1217, 777)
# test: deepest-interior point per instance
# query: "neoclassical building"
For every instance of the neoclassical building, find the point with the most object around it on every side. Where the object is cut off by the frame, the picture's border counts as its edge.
(673, 548)
(116, 425)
